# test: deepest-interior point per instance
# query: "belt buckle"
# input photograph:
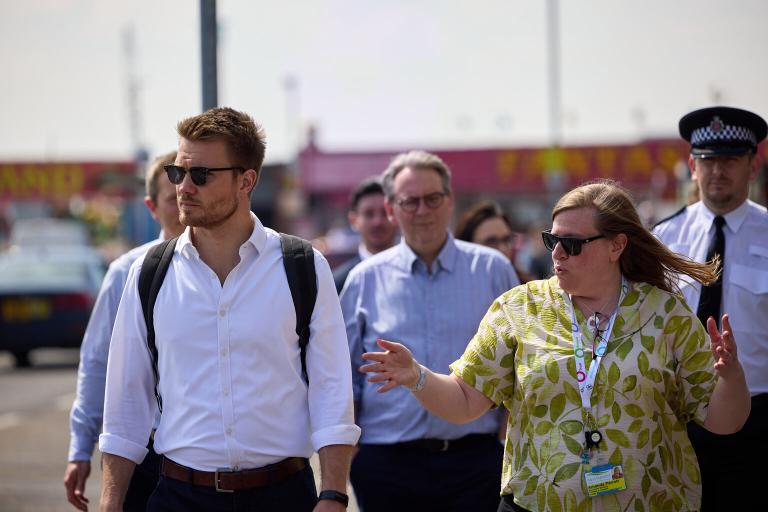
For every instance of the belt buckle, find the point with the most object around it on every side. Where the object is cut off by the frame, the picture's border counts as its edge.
(216, 480)
(446, 444)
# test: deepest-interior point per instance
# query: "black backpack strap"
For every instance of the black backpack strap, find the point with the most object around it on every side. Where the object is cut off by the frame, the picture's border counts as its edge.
(299, 262)
(153, 270)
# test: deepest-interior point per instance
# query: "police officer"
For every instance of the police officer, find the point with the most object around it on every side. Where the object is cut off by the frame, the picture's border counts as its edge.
(724, 161)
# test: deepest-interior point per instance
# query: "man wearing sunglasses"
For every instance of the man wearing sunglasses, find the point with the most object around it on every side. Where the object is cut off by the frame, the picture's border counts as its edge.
(723, 163)
(238, 420)
(429, 292)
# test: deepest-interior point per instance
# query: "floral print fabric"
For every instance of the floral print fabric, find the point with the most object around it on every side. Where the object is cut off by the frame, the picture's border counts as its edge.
(656, 376)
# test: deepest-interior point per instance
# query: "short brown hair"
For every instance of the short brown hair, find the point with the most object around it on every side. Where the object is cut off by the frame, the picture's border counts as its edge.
(416, 160)
(244, 137)
(645, 259)
(156, 172)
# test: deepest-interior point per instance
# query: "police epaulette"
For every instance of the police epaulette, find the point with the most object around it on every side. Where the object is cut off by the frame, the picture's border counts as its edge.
(662, 221)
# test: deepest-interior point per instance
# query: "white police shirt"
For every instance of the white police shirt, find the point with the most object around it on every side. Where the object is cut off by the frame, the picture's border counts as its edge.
(228, 359)
(745, 277)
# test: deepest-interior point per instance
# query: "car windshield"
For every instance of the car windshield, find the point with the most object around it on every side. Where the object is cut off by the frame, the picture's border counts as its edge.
(20, 274)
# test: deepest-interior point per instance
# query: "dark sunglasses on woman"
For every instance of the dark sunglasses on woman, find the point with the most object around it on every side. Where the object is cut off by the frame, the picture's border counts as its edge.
(571, 246)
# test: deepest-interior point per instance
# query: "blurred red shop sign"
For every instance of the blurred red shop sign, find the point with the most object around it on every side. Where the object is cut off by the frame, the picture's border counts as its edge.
(44, 180)
(520, 170)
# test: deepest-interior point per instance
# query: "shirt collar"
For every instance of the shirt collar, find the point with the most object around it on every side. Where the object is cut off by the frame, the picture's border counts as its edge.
(363, 252)
(257, 240)
(446, 259)
(733, 219)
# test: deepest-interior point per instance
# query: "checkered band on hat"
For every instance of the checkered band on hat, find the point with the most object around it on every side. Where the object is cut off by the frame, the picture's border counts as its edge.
(728, 133)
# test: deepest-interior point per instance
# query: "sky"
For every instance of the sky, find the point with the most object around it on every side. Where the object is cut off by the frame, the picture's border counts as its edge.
(371, 74)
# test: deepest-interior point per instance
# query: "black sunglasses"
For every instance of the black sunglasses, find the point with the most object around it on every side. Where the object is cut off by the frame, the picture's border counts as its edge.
(199, 175)
(571, 246)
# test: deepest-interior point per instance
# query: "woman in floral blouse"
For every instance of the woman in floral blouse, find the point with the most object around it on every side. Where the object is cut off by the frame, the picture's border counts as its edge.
(601, 367)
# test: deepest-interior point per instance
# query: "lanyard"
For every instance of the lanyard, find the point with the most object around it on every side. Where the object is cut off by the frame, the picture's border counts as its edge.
(586, 376)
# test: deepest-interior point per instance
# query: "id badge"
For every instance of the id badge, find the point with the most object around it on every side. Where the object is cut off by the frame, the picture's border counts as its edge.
(604, 479)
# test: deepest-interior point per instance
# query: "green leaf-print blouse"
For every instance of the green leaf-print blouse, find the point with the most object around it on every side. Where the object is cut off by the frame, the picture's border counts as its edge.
(657, 375)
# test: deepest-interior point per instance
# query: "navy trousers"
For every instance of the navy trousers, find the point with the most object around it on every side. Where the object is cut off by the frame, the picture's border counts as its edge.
(296, 494)
(406, 478)
(143, 482)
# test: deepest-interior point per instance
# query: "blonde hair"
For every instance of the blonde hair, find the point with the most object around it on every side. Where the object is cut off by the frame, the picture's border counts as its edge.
(645, 259)
(155, 174)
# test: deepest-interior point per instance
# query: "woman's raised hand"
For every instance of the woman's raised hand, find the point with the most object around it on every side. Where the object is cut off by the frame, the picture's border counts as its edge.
(723, 346)
(394, 367)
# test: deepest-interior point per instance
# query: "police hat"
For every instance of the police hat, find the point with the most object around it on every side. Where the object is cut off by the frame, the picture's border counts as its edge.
(722, 131)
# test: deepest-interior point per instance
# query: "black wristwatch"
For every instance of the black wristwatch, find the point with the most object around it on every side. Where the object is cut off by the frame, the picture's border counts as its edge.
(335, 496)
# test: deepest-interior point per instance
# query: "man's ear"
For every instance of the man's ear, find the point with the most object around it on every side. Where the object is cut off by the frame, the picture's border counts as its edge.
(352, 219)
(692, 167)
(390, 211)
(250, 180)
(151, 206)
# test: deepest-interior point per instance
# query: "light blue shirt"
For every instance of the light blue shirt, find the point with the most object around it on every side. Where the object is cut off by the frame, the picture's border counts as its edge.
(391, 295)
(88, 408)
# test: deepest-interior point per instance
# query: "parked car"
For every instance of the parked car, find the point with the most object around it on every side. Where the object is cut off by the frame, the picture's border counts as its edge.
(46, 297)
(46, 232)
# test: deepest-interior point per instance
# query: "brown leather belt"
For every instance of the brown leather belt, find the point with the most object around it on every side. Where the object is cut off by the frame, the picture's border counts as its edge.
(230, 481)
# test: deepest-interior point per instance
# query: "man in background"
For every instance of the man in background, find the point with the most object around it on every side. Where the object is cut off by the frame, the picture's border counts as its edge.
(88, 408)
(368, 217)
(724, 223)
(429, 292)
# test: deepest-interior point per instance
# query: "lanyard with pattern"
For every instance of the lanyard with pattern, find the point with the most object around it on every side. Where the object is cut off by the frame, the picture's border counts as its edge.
(586, 376)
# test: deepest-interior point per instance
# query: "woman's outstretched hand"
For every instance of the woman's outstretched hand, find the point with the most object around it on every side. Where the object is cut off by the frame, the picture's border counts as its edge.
(394, 367)
(723, 347)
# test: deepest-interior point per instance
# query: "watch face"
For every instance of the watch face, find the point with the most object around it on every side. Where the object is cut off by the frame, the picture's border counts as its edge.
(595, 436)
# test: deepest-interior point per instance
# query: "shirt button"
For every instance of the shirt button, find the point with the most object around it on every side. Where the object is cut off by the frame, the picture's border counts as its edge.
(224, 353)
(222, 312)
(229, 431)
(236, 467)
(226, 392)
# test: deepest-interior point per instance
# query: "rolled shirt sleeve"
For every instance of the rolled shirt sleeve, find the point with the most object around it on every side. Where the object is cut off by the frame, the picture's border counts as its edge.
(129, 403)
(328, 366)
(87, 409)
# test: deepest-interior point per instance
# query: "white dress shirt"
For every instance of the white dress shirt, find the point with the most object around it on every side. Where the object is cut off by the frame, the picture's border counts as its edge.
(228, 359)
(86, 415)
(745, 276)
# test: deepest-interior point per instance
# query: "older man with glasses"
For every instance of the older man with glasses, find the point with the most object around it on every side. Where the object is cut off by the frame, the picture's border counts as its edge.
(429, 292)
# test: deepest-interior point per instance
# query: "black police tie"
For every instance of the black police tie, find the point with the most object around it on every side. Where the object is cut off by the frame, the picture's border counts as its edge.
(712, 295)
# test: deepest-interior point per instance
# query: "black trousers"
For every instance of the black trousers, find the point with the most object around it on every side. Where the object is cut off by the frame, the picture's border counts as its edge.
(143, 482)
(295, 494)
(733, 466)
(507, 504)
(405, 478)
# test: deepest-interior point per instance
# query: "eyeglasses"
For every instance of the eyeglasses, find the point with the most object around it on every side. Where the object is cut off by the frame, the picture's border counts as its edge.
(498, 241)
(199, 175)
(432, 201)
(571, 246)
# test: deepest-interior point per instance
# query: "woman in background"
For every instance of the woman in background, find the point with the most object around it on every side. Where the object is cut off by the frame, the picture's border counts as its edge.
(486, 224)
